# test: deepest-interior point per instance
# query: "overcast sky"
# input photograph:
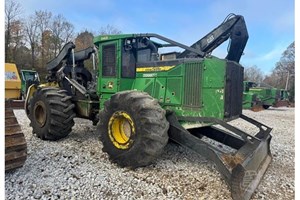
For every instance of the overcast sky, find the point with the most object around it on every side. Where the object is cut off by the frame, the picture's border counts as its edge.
(270, 23)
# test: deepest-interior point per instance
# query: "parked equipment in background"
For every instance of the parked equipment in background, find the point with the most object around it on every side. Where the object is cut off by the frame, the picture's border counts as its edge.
(262, 95)
(12, 82)
(28, 77)
(140, 101)
(282, 97)
(250, 99)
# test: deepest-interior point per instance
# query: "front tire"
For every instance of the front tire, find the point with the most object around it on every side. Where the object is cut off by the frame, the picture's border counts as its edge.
(133, 129)
(51, 113)
(266, 106)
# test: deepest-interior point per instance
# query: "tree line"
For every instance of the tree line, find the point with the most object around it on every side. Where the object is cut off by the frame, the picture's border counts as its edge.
(32, 41)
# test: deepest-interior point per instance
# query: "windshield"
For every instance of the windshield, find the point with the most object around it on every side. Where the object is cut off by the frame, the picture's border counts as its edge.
(30, 76)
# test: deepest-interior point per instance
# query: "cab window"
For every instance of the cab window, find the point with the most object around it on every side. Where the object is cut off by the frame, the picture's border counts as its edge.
(109, 60)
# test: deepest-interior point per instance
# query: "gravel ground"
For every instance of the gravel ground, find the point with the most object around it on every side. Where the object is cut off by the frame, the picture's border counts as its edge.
(76, 168)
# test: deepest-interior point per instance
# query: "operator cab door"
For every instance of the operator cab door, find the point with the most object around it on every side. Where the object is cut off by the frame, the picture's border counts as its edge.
(109, 70)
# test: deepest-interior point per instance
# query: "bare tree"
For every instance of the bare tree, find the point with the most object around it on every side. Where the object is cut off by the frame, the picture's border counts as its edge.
(23, 57)
(13, 10)
(285, 68)
(32, 35)
(16, 40)
(253, 74)
(43, 21)
(283, 75)
(287, 61)
(62, 31)
(68, 32)
(109, 30)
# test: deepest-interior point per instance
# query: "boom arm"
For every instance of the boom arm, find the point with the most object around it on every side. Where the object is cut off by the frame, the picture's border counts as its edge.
(233, 27)
(66, 54)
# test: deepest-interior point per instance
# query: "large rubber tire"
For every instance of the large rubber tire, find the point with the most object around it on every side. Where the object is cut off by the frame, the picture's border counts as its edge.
(140, 115)
(51, 113)
(266, 106)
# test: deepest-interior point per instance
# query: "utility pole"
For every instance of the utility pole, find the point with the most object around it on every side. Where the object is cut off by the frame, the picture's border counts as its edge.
(287, 81)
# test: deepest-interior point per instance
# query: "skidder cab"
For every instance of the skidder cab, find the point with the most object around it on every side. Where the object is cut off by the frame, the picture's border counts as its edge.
(140, 96)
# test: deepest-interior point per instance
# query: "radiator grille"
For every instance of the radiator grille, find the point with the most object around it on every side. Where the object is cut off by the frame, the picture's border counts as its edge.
(192, 85)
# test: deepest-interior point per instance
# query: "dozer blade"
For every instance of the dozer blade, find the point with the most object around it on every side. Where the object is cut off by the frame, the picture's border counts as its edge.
(242, 159)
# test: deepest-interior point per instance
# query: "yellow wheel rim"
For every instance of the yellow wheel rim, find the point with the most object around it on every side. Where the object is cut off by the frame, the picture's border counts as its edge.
(40, 113)
(121, 129)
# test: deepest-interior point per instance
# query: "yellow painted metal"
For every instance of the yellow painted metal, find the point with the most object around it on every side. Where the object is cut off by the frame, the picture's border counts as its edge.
(121, 129)
(12, 82)
(154, 69)
(33, 88)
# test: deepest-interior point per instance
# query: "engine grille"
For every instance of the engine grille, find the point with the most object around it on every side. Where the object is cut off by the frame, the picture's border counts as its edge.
(192, 85)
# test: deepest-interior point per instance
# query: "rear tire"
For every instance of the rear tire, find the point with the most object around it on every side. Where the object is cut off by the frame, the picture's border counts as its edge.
(266, 106)
(51, 113)
(133, 129)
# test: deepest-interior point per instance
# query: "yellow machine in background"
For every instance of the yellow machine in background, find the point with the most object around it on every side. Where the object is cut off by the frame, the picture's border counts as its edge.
(12, 82)
(15, 143)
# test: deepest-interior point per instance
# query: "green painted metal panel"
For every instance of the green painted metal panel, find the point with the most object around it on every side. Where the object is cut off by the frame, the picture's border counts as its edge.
(126, 84)
(264, 94)
(214, 73)
(247, 100)
(160, 89)
(105, 38)
(174, 91)
(184, 86)
(213, 87)
(177, 71)
(190, 88)
(144, 84)
(213, 103)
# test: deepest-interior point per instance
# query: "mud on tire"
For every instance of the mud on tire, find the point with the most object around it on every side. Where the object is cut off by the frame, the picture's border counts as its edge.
(140, 115)
(51, 113)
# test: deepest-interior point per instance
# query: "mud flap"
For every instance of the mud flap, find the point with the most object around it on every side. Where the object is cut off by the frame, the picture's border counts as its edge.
(244, 166)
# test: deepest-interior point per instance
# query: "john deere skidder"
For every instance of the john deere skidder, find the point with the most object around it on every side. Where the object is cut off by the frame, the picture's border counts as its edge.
(140, 98)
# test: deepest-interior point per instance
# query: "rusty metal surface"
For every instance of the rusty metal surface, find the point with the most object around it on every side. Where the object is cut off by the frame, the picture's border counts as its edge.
(14, 104)
(232, 161)
(15, 143)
